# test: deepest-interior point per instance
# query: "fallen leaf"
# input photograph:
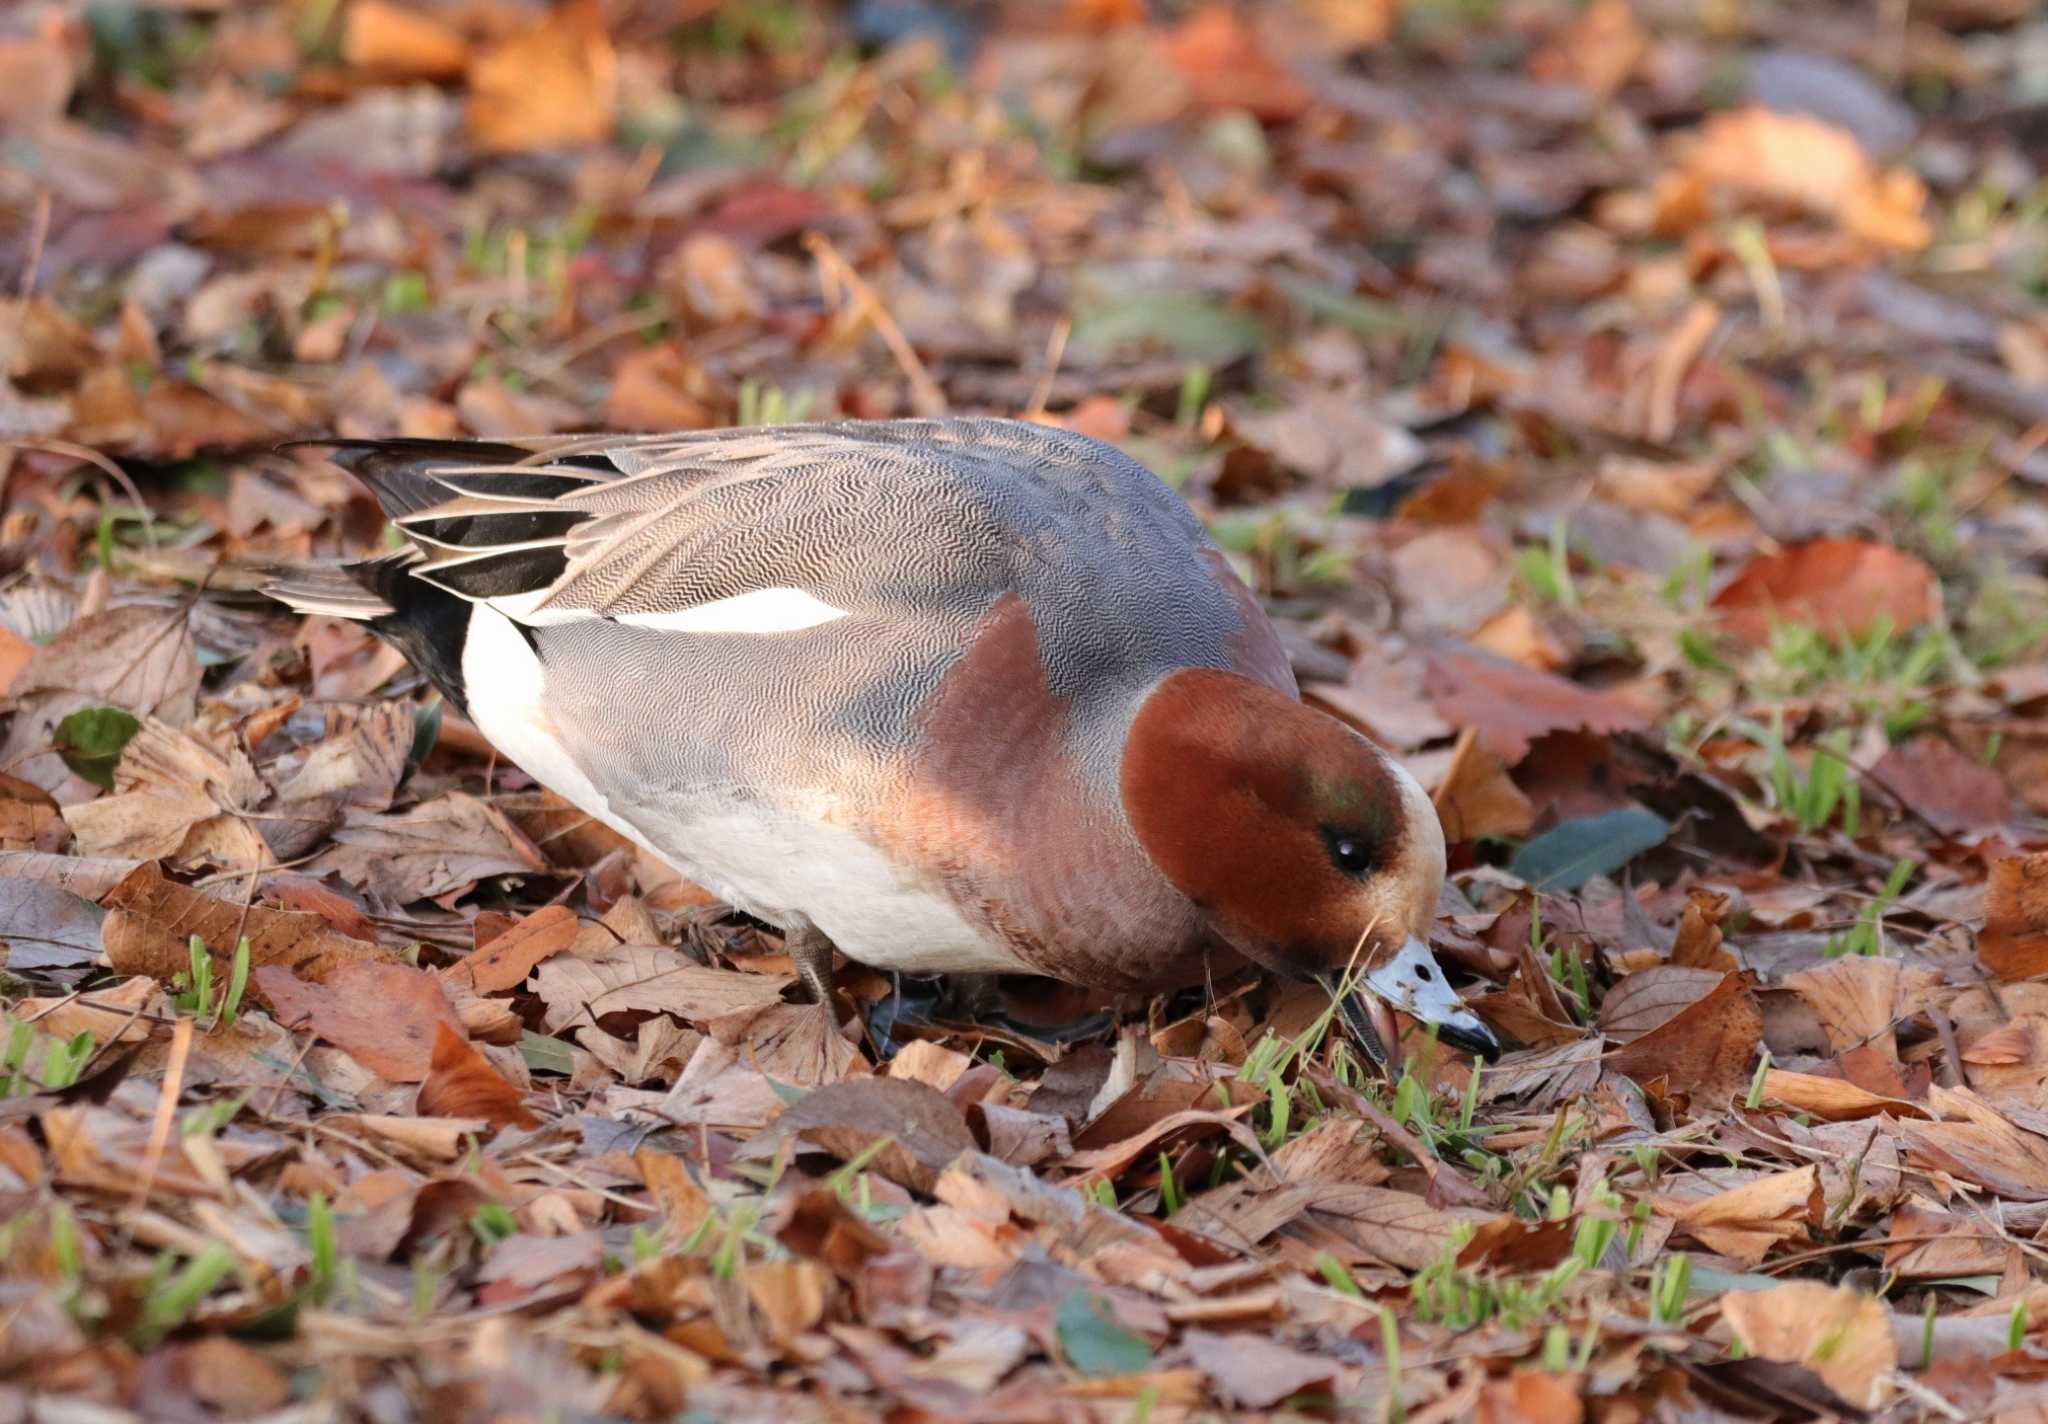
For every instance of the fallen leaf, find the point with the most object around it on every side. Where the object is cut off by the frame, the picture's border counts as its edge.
(151, 921)
(440, 848)
(2014, 941)
(1224, 65)
(550, 85)
(177, 799)
(506, 961)
(43, 927)
(1510, 706)
(922, 1129)
(1952, 792)
(1093, 1342)
(1746, 1221)
(1530, 1397)
(1705, 1048)
(1844, 587)
(385, 1016)
(1841, 1334)
(1476, 796)
(401, 42)
(651, 979)
(1569, 854)
(1803, 162)
(1256, 1373)
(461, 1082)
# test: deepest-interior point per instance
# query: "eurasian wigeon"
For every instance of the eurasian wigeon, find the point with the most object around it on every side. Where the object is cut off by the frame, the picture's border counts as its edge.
(959, 696)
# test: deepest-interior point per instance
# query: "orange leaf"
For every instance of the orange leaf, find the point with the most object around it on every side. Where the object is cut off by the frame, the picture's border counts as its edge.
(1842, 1335)
(1705, 1047)
(552, 85)
(461, 1082)
(2014, 944)
(402, 43)
(1844, 587)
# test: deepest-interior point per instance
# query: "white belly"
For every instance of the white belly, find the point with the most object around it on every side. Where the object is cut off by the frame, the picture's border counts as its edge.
(789, 869)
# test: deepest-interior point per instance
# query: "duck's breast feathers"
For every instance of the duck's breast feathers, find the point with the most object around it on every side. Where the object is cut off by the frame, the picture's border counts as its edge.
(882, 527)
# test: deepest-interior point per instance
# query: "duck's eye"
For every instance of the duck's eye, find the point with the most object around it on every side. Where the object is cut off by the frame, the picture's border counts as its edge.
(1349, 851)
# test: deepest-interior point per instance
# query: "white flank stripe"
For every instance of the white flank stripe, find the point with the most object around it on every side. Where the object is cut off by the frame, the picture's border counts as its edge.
(507, 694)
(764, 610)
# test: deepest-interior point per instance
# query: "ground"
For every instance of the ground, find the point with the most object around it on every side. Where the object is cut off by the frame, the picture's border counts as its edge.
(1632, 414)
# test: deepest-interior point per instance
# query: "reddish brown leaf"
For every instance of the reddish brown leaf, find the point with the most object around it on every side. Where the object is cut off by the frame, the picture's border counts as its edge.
(1952, 792)
(1510, 706)
(151, 921)
(2014, 942)
(461, 1082)
(1844, 587)
(385, 1016)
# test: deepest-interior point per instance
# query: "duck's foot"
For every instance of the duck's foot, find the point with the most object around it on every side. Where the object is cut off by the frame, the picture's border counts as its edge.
(969, 1001)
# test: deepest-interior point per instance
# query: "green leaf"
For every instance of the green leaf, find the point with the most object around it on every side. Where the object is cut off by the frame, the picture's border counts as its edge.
(1568, 855)
(91, 739)
(546, 1055)
(1093, 1342)
(426, 731)
(1183, 324)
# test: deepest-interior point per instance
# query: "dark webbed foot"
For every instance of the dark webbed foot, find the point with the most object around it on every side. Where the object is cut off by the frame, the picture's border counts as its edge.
(969, 1001)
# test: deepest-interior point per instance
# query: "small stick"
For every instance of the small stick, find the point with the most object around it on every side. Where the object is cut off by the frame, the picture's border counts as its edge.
(925, 396)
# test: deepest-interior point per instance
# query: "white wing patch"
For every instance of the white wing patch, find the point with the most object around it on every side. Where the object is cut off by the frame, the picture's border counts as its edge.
(761, 611)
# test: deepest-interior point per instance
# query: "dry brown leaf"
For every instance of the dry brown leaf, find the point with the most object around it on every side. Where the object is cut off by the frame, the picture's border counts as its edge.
(1651, 997)
(1705, 1048)
(1476, 797)
(1252, 1372)
(1831, 1099)
(385, 1016)
(42, 927)
(1978, 1144)
(1698, 944)
(29, 818)
(461, 1082)
(1841, 1334)
(2014, 941)
(652, 980)
(505, 962)
(923, 1128)
(1952, 792)
(1844, 587)
(401, 42)
(358, 764)
(138, 657)
(1859, 1000)
(176, 799)
(1224, 65)
(88, 876)
(551, 85)
(1746, 1221)
(437, 849)
(1510, 706)
(151, 921)
(1400, 1228)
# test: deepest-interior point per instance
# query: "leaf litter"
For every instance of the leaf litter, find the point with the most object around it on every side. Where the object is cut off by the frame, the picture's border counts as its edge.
(1634, 419)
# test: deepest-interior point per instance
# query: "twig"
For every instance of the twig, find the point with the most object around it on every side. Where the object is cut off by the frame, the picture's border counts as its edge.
(925, 396)
(166, 1111)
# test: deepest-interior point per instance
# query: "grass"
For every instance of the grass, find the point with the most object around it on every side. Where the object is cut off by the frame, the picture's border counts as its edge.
(1866, 937)
(195, 990)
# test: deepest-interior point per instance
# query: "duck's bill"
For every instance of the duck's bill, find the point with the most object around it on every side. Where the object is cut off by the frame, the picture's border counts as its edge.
(1414, 983)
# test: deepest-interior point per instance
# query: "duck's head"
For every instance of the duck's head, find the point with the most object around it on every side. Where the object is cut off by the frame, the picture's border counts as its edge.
(1309, 848)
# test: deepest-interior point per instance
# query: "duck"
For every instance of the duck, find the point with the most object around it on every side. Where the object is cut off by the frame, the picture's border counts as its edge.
(958, 696)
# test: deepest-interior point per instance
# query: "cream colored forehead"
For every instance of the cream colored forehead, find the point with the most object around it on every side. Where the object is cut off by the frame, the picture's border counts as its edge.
(1402, 897)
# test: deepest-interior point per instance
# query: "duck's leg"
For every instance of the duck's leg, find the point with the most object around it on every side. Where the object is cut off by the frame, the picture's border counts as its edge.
(811, 952)
(978, 999)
